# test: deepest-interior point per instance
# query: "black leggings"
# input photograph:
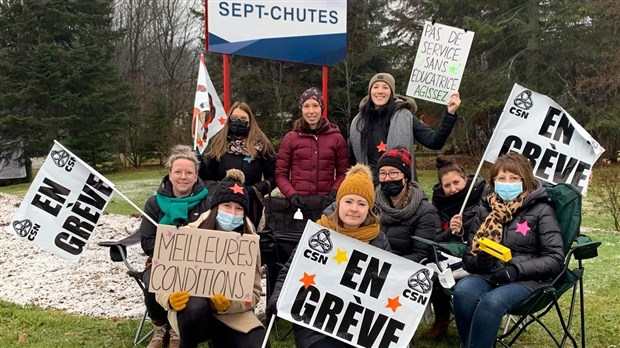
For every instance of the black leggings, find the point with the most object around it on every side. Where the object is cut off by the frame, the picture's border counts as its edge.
(157, 313)
(197, 324)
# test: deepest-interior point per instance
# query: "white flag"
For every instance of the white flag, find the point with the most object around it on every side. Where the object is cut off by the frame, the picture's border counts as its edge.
(61, 209)
(209, 115)
(560, 150)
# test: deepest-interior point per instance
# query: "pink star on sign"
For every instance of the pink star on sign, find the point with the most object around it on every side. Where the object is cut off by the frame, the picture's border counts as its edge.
(169, 234)
(248, 295)
(523, 228)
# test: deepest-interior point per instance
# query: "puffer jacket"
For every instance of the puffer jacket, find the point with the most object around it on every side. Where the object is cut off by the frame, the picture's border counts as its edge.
(448, 206)
(151, 208)
(423, 222)
(311, 164)
(539, 254)
(305, 338)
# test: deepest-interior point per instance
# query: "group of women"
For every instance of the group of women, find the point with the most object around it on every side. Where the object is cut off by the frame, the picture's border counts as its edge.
(377, 201)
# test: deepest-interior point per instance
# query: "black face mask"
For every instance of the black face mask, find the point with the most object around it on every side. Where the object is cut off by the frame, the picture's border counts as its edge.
(238, 127)
(392, 188)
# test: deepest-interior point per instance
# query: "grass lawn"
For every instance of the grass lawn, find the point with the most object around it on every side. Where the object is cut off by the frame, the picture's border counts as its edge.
(35, 327)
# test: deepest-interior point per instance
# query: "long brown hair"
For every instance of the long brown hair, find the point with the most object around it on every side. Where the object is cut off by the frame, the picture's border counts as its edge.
(445, 165)
(515, 163)
(218, 145)
(210, 223)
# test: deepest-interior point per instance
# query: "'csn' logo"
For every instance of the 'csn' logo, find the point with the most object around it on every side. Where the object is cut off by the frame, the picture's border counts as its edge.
(321, 244)
(419, 283)
(24, 228)
(522, 103)
(62, 159)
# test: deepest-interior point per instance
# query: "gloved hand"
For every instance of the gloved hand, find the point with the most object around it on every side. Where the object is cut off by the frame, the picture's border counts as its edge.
(220, 302)
(485, 261)
(508, 274)
(331, 196)
(272, 308)
(178, 300)
(297, 202)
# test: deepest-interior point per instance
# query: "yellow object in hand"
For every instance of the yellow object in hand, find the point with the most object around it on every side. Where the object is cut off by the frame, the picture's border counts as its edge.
(178, 300)
(220, 302)
(495, 249)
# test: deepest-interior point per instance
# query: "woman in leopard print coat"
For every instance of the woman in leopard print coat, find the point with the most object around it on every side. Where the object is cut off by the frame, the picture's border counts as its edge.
(517, 215)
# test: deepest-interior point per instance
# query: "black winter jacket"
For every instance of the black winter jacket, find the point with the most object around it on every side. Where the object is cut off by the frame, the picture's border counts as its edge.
(148, 231)
(539, 254)
(304, 337)
(259, 172)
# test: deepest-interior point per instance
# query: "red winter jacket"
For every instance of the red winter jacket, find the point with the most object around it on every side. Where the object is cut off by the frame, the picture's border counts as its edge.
(311, 164)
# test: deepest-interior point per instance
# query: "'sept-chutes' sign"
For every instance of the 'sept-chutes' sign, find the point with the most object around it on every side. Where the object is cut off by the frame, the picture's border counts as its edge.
(439, 63)
(311, 31)
(532, 124)
(352, 291)
(204, 262)
(61, 209)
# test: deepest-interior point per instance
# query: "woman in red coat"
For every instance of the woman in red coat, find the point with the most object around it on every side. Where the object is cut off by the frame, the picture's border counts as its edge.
(312, 159)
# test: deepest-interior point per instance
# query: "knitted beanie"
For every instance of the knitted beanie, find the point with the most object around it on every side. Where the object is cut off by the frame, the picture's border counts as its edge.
(230, 189)
(358, 181)
(311, 93)
(384, 77)
(398, 157)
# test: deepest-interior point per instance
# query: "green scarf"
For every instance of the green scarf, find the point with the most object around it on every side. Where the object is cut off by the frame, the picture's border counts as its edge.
(176, 209)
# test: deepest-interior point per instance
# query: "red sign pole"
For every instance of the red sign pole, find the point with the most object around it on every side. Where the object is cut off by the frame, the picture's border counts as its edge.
(325, 86)
(226, 76)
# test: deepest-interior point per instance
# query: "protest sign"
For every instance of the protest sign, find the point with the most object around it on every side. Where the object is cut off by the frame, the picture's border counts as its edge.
(352, 291)
(439, 63)
(532, 124)
(61, 209)
(209, 115)
(204, 262)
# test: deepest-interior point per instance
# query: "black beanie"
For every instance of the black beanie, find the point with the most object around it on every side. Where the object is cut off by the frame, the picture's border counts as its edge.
(230, 189)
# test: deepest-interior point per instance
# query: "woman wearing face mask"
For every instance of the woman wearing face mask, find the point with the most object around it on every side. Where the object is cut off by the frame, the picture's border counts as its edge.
(353, 217)
(180, 198)
(227, 323)
(387, 120)
(403, 207)
(312, 159)
(517, 215)
(242, 145)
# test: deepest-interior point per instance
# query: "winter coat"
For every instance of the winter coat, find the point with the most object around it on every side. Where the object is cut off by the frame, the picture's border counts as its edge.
(311, 164)
(304, 338)
(240, 315)
(423, 222)
(259, 172)
(402, 119)
(448, 206)
(151, 208)
(539, 254)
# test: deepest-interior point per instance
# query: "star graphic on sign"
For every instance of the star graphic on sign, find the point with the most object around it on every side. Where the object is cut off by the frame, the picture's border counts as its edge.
(247, 159)
(195, 266)
(248, 295)
(222, 120)
(523, 227)
(453, 69)
(169, 234)
(381, 147)
(393, 304)
(341, 256)
(237, 189)
(308, 280)
(155, 263)
(238, 236)
(200, 142)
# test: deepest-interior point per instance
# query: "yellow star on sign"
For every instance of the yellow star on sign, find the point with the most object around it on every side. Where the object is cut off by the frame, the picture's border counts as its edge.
(341, 256)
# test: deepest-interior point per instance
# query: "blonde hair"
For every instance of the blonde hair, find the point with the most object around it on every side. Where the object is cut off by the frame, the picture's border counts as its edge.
(371, 218)
(218, 145)
(181, 152)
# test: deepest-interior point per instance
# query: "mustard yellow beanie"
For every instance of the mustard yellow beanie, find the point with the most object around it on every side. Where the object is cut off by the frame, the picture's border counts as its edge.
(358, 181)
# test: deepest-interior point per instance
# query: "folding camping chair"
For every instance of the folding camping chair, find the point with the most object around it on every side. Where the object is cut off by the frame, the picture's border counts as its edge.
(118, 253)
(566, 201)
(281, 236)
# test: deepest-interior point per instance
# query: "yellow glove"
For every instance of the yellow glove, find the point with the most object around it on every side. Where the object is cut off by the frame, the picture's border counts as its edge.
(220, 302)
(178, 300)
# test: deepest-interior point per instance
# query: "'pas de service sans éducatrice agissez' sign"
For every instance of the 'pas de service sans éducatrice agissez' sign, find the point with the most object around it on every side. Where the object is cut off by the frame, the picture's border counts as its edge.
(310, 31)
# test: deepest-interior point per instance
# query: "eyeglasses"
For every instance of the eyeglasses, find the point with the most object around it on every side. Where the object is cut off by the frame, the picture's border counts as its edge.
(507, 179)
(392, 175)
(180, 173)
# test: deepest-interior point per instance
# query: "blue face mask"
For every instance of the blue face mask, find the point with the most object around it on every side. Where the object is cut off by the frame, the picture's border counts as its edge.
(228, 222)
(508, 191)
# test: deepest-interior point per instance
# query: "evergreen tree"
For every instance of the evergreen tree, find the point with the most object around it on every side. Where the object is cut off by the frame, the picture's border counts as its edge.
(56, 81)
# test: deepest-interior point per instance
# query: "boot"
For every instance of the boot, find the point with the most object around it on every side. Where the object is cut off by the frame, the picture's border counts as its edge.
(159, 333)
(439, 328)
(175, 340)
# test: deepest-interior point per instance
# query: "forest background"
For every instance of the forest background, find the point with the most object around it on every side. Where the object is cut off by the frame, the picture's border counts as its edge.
(114, 80)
